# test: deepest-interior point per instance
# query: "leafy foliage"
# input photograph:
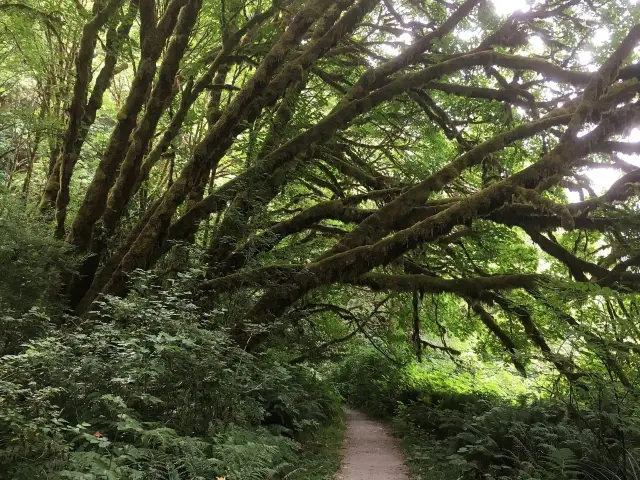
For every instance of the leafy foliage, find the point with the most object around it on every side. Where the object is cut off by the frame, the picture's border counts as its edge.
(147, 389)
(31, 262)
(475, 435)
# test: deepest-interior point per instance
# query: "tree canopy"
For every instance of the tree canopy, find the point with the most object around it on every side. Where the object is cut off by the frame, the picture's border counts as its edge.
(332, 167)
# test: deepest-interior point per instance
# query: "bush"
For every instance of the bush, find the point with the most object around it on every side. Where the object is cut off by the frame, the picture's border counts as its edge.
(372, 383)
(31, 262)
(150, 387)
(480, 435)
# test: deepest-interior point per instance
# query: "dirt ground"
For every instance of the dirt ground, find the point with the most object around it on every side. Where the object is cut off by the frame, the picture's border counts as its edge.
(370, 451)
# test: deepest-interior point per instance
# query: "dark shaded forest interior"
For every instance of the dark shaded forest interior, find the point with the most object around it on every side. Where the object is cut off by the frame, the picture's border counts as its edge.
(222, 219)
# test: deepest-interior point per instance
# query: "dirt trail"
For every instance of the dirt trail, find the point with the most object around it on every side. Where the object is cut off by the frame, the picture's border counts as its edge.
(370, 451)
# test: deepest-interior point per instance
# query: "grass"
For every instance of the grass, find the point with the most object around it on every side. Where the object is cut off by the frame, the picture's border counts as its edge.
(321, 454)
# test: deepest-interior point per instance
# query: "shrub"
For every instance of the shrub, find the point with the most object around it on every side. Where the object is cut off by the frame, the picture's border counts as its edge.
(484, 436)
(150, 387)
(31, 262)
(372, 383)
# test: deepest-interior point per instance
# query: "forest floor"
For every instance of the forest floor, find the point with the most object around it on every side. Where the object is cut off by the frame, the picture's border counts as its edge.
(370, 451)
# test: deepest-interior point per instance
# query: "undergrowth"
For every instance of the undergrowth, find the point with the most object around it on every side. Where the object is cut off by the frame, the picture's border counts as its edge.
(321, 454)
(477, 433)
(151, 387)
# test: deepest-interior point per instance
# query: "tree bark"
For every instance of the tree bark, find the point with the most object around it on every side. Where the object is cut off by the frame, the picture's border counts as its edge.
(153, 39)
(206, 154)
(83, 61)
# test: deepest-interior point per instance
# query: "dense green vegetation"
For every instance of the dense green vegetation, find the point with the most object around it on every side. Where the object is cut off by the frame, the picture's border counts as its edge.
(220, 219)
(494, 425)
(154, 388)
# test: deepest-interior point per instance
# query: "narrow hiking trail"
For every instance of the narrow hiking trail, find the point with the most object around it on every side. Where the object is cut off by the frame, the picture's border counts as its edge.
(371, 452)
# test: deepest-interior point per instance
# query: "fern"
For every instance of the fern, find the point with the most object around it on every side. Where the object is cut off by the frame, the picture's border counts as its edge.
(257, 455)
(561, 463)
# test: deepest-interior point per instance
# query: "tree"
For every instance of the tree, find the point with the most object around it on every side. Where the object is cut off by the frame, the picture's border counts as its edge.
(320, 150)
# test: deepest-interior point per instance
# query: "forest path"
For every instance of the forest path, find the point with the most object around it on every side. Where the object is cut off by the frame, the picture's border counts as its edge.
(371, 452)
